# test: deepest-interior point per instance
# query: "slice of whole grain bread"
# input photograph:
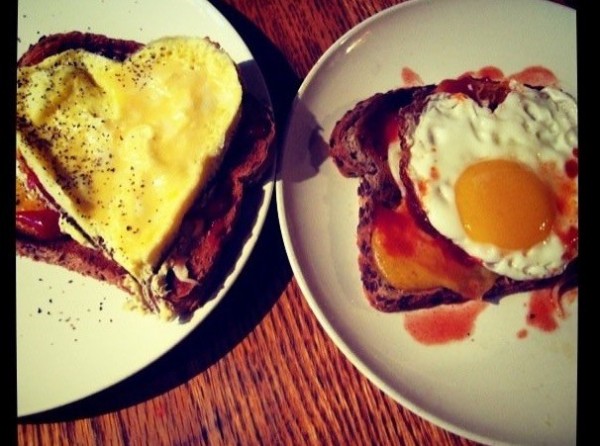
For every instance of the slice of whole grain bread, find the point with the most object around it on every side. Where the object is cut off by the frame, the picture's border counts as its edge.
(359, 145)
(196, 262)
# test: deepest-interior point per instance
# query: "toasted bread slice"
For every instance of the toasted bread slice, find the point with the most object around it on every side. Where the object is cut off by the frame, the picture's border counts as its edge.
(194, 263)
(359, 145)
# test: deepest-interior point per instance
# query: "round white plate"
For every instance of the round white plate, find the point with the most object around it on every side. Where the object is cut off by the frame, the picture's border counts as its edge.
(494, 387)
(74, 337)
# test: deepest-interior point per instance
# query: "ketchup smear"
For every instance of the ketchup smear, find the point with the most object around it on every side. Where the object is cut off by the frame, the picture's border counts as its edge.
(535, 75)
(443, 324)
(546, 309)
(42, 222)
(410, 78)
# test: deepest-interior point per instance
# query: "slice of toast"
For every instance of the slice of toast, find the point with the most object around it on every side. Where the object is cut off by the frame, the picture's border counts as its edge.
(196, 262)
(359, 145)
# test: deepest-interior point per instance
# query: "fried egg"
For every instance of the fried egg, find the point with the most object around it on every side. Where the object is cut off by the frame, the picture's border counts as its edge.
(124, 148)
(501, 183)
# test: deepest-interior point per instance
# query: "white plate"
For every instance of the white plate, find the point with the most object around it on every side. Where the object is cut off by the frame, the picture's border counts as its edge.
(494, 387)
(74, 338)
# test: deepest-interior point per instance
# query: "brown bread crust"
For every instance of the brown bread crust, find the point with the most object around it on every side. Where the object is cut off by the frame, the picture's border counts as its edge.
(358, 150)
(209, 225)
(116, 49)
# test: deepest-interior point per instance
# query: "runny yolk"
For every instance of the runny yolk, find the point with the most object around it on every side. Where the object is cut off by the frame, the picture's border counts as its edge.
(504, 203)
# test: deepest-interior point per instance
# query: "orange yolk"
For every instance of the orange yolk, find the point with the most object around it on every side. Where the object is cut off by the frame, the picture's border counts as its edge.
(504, 203)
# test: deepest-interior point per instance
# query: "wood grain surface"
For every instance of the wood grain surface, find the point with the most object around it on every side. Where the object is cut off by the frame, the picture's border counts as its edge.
(260, 369)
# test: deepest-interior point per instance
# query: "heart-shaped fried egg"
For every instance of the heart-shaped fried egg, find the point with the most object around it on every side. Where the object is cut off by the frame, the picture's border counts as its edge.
(501, 183)
(124, 148)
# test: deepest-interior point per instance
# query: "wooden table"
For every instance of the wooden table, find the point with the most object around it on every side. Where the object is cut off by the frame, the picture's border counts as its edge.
(260, 369)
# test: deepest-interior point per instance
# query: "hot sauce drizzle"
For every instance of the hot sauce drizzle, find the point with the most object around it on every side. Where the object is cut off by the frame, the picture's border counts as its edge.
(489, 72)
(543, 310)
(572, 165)
(444, 324)
(547, 308)
(410, 78)
(33, 216)
(411, 258)
(536, 76)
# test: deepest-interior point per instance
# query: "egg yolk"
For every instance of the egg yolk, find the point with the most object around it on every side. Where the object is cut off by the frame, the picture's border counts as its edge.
(504, 203)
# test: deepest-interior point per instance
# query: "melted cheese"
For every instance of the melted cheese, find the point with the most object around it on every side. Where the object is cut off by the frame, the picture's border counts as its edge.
(124, 148)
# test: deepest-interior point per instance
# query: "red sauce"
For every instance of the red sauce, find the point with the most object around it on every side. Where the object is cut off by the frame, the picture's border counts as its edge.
(458, 85)
(449, 323)
(32, 182)
(570, 240)
(403, 238)
(410, 78)
(546, 308)
(478, 92)
(400, 231)
(41, 224)
(572, 165)
(536, 76)
(33, 216)
(390, 130)
(489, 72)
(572, 168)
(443, 324)
(543, 310)
(422, 188)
